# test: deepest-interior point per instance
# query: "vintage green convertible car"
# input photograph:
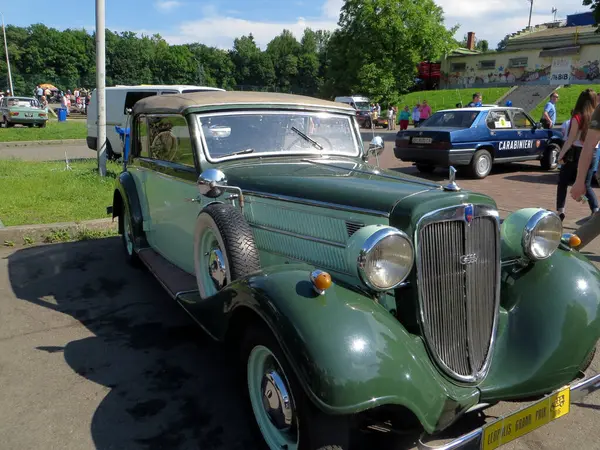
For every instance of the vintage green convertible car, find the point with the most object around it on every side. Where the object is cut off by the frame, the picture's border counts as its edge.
(357, 298)
(23, 111)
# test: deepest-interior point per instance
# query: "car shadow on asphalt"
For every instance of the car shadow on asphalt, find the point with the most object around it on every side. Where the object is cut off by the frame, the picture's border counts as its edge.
(170, 385)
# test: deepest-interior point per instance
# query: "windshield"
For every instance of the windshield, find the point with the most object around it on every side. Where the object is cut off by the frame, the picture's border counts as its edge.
(279, 133)
(362, 106)
(23, 102)
(455, 119)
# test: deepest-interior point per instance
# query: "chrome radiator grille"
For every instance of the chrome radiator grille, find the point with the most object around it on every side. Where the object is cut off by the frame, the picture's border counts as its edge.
(458, 270)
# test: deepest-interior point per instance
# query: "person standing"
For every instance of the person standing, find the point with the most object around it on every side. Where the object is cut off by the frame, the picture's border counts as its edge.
(477, 99)
(404, 118)
(570, 153)
(425, 112)
(416, 115)
(39, 92)
(391, 117)
(549, 115)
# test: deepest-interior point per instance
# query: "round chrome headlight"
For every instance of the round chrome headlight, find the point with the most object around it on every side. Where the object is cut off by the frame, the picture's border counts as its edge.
(541, 235)
(385, 259)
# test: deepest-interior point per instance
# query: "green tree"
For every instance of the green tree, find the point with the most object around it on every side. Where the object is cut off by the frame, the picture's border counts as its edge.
(284, 51)
(379, 44)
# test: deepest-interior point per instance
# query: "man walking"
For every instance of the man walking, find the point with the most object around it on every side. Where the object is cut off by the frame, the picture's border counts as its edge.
(549, 115)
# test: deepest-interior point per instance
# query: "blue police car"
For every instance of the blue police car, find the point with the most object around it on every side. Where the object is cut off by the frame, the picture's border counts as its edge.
(475, 138)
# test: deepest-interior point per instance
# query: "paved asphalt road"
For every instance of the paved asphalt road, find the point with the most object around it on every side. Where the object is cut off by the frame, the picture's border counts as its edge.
(94, 355)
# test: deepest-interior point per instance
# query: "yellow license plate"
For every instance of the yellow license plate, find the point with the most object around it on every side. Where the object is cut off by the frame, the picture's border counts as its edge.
(522, 422)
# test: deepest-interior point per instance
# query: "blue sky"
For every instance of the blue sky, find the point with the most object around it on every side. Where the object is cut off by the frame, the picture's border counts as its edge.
(218, 22)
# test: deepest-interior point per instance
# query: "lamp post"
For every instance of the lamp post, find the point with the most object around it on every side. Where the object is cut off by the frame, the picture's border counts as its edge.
(12, 92)
(530, 11)
(100, 85)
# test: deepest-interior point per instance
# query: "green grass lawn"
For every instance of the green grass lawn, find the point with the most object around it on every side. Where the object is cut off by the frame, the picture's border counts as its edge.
(71, 129)
(44, 192)
(566, 101)
(448, 98)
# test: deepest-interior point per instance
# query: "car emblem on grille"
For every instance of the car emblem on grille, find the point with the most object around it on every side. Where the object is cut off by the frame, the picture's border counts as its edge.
(468, 213)
(471, 258)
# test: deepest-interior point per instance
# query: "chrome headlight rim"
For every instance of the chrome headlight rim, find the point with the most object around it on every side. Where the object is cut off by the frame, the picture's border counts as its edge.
(529, 229)
(370, 243)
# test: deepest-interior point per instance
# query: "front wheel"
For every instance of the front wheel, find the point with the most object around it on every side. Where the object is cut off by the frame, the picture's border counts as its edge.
(128, 237)
(481, 164)
(284, 416)
(549, 159)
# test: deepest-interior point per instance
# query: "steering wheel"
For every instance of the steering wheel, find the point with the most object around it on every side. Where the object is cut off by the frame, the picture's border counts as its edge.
(322, 141)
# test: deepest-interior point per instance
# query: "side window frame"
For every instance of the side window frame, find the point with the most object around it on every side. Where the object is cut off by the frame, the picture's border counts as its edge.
(136, 143)
(527, 116)
(501, 111)
(194, 166)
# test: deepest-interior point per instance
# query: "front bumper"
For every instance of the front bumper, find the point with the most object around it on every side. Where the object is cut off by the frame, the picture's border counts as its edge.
(475, 439)
(436, 157)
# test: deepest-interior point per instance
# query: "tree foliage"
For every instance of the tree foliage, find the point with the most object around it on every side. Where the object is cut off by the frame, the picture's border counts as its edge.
(374, 51)
(595, 6)
(379, 44)
(480, 44)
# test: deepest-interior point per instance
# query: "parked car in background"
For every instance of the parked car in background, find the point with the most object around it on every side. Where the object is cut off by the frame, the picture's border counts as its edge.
(476, 138)
(120, 99)
(362, 106)
(23, 111)
(355, 298)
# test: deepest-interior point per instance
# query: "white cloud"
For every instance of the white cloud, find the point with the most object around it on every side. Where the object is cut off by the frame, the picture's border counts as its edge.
(489, 19)
(220, 29)
(167, 5)
(494, 19)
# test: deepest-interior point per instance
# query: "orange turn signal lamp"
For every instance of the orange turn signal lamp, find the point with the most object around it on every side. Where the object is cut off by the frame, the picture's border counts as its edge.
(321, 281)
(572, 240)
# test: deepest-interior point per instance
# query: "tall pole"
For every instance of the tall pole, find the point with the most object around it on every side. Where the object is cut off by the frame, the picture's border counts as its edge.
(530, 11)
(12, 92)
(100, 85)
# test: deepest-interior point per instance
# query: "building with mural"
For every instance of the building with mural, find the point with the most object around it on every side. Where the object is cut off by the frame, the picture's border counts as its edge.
(557, 53)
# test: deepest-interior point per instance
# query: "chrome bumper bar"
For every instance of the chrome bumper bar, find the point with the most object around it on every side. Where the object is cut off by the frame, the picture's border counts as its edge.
(473, 440)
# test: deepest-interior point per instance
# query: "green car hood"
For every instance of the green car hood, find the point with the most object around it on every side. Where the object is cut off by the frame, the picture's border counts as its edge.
(350, 182)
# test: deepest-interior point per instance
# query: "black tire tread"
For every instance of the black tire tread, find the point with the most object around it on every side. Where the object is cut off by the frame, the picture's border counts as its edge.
(238, 239)
(545, 161)
(133, 259)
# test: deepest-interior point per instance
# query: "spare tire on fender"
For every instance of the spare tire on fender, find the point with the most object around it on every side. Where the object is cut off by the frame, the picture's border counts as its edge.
(224, 248)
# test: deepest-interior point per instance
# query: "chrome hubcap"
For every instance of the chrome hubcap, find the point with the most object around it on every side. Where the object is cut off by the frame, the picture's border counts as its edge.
(276, 401)
(483, 165)
(217, 269)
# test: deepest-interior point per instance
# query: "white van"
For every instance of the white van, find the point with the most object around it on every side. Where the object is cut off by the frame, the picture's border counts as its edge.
(118, 100)
(362, 105)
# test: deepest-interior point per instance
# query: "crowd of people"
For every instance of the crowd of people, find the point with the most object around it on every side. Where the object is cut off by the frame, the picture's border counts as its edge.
(79, 98)
(419, 113)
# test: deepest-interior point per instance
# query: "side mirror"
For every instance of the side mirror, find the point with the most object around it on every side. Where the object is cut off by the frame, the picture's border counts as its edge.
(128, 111)
(376, 147)
(211, 183)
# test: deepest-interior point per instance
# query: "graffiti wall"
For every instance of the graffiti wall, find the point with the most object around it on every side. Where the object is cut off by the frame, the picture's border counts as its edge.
(522, 67)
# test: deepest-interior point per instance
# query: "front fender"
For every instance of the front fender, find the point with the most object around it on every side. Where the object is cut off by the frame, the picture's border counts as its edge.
(349, 352)
(549, 324)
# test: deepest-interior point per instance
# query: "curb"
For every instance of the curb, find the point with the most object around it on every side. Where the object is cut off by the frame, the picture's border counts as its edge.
(56, 232)
(36, 143)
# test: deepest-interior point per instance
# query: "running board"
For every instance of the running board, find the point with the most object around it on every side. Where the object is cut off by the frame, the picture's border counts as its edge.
(176, 281)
